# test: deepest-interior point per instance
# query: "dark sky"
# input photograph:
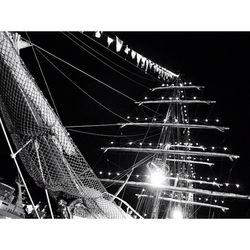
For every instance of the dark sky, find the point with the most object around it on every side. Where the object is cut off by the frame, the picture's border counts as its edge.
(217, 60)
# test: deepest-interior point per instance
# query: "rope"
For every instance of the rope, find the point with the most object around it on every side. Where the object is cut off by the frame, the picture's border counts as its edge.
(43, 77)
(82, 89)
(102, 60)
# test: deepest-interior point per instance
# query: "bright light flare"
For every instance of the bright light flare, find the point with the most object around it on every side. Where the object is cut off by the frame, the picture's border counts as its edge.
(157, 177)
(177, 214)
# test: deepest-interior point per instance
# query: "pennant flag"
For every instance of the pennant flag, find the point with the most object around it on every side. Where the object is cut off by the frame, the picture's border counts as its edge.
(143, 59)
(119, 43)
(133, 54)
(127, 49)
(98, 34)
(109, 40)
(146, 66)
(138, 58)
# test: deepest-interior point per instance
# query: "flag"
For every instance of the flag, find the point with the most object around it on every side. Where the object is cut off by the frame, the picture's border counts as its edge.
(127, 49)
(98, 34)
(138, 58)
(109, 40)
(133, 54)
(143, 59)
(119, 43)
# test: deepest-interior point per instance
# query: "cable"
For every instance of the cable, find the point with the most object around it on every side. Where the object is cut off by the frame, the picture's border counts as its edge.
(43, 77)
(82, 89)
(103, 61)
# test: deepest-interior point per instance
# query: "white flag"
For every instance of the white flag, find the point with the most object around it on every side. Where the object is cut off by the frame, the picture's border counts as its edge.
(109, 40)
(127, 49)
(133, 54)
(143, 60)
(138, 58)
(119, 43)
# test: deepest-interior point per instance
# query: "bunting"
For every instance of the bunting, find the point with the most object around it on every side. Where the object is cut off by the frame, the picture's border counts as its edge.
(109, 40)
(98, 34)
(119, 43)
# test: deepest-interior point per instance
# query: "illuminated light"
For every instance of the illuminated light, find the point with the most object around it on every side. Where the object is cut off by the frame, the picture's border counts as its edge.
(199, 198)
(185, 83)
(146, 119)
(182, 96)
(182, 92)
(237, 185)
(206, 199)
(145, 215)
(163, 85)
(194, 98)
(162, 97)
(157, 177)
(170, 98)
(201, 178)
(215, 179)
(143, 190)
(190, 83)
(130, 143)
(217, 120)
(227, 184)
(165, 120)
(201, 182)
(212, 148)
(117, 174)
(161, 144)
(176, 120)
(168, 145)
(140, 143)
(177, 98)
(100, 172)
(207, 159)
(213, 183)
(225, 148)
(145, 98)
(215, 201)
(137, 118)
(137, 176)
(206, 120)
(208, 178)
(154, 119)
(128, 117)
(196, 120)
(111, 142)
(177, 214)
(109, 173)
(222, 201)
(150, 144)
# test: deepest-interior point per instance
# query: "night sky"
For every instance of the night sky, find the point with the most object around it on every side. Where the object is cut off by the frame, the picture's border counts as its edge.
(217, 60)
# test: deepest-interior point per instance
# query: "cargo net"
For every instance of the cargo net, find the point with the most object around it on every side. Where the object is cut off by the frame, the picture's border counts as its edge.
(51, 158)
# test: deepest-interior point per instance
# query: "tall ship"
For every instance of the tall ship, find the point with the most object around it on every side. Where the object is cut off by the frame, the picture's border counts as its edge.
(157, 175)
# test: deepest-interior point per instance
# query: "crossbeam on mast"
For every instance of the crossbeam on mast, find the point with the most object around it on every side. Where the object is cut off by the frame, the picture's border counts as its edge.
(179, 189)
(173, 152)
(185, 202)
(178, 87)
(175, 101)
(192, 162)
(176, 125)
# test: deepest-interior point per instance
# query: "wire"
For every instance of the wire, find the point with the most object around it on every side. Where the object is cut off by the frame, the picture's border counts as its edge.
(82, 89)
(94, 125)
(105, 135)
(102, 60)
(39, 65)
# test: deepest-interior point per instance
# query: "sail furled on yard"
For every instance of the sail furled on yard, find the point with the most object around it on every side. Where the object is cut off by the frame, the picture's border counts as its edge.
(51, 158)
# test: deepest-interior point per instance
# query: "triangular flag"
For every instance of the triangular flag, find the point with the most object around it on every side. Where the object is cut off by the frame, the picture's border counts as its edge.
(143, 59)
(133, 54)
(146, 66)
(109, 40)
(138, 58)
(119, 43)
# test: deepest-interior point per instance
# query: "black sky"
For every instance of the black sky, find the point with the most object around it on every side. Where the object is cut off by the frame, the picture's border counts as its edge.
(217, 60)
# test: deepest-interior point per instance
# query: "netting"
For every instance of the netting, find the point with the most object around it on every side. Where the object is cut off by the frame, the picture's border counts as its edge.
(51, 158)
